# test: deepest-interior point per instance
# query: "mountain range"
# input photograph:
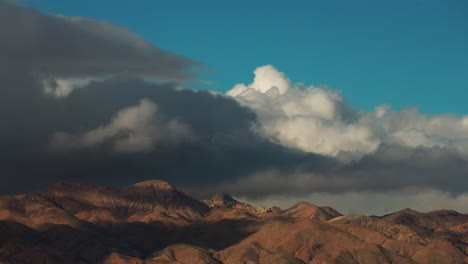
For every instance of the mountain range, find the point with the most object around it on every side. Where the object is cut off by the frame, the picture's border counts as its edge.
(154, 222)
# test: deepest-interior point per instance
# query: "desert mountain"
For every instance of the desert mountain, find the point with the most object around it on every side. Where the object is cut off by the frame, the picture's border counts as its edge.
(310, 211)
(154, 222)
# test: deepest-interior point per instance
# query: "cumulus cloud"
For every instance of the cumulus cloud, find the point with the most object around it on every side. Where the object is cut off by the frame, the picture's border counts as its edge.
(319, 120)
(133, 129)
(266, 78)
(383, 151)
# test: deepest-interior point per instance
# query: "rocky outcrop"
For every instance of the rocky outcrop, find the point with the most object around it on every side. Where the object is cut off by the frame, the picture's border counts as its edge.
(221, 200)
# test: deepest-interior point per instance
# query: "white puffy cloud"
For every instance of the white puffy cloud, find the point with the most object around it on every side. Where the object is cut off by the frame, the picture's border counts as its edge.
(266, 77)
(133, 129)
(319, 120)
(63, 87)
(314, 134)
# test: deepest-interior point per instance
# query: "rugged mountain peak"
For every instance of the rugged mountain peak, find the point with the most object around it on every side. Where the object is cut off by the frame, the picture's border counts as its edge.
(164, 197)
(158, 184)
(302, 205)
(221, 200)
(307, 210)
(131, 222)
(408, 211)
(435, 220)
(145, 201)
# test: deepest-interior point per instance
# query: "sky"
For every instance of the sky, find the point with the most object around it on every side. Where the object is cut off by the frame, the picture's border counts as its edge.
(356, 106)
(403, 53)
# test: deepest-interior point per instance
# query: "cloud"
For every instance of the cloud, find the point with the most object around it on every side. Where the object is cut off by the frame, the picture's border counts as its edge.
(381, 151)
(56, 48)
(111, 132)
(228, 147)
(63, 87)
(319, 120)
(133, 129)
(266, 78)
(389, 168)
(68, 113)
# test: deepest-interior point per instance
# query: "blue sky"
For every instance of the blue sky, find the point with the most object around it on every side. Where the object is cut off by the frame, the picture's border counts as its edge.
(404, 53)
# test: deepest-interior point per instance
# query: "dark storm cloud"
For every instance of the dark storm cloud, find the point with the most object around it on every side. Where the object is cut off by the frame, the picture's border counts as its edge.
(389, 168)
(394, 166)
(57, 46)
(225, 147)
(218, 149)
(225, 154)
(38, 45)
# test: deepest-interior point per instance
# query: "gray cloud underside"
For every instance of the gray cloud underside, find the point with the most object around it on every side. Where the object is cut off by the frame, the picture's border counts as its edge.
(224, 147)
(57, 46)
(389, 168)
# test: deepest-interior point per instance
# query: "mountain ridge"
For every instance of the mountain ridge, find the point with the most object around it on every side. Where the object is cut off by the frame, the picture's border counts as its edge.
(155, 222)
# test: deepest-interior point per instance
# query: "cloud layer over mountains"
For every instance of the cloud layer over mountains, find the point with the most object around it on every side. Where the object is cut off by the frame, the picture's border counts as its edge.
(74, 107)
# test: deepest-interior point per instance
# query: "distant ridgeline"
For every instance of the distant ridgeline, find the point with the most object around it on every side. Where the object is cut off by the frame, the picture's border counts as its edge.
(154, 222)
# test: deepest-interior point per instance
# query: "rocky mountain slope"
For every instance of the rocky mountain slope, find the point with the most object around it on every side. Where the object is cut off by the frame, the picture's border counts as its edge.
(154, 222)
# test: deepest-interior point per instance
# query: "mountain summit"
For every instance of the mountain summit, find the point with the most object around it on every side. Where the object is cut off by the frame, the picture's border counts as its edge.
(154, 222)
(221, 200)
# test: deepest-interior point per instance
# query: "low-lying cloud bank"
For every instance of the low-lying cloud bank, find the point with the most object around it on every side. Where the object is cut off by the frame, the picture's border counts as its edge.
(104, 124)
